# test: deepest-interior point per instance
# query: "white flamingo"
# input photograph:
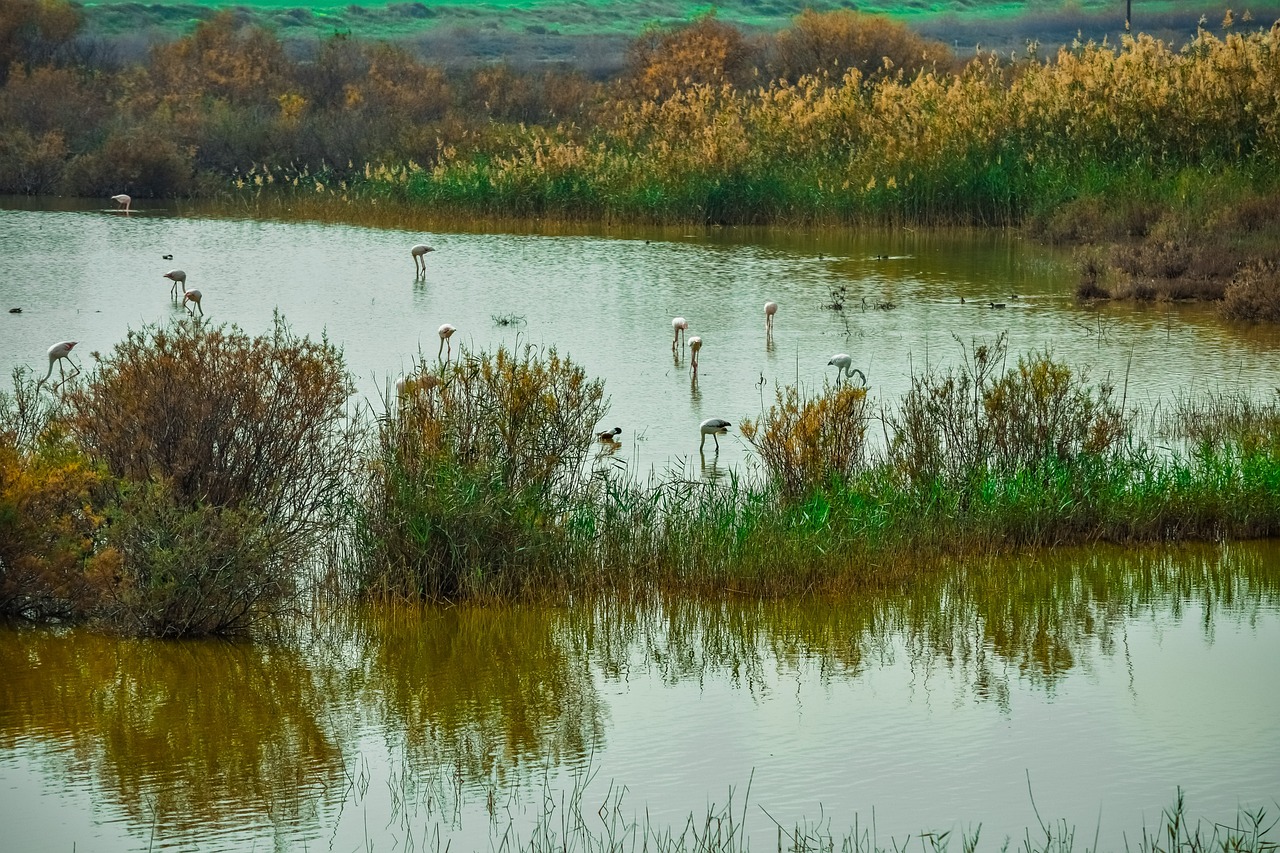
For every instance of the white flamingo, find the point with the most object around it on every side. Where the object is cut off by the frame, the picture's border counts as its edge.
(446, 331)
(712, 427)
(419, 260)
(123, 200)
(193, 296)
(845, 368)
(178, 277)
(695, 344)
(770, 308)
(57, 352)
(678, 325)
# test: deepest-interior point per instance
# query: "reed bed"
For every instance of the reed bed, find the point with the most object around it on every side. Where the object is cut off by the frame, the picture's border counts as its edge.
(992, 144)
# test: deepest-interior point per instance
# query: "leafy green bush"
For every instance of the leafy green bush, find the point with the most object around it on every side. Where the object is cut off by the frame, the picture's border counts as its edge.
(478, 465)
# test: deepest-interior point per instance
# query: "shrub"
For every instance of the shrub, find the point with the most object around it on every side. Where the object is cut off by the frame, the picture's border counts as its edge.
(234, 453)
(50, 512)
(955, 428)
(192, 571)
(1254, 293)
(831, 43)
(478, 466)
(806, 444)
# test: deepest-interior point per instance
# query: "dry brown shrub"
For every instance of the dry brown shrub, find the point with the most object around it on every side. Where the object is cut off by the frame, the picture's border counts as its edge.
(1254, 293)
(30, 165)
(809, 443)
(222, 59)
(707, 52)
(225, 419)
(140, 161)
(830, 43)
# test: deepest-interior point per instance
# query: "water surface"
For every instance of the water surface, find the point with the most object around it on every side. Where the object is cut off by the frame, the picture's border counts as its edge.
(607, 301)
(1089, 686)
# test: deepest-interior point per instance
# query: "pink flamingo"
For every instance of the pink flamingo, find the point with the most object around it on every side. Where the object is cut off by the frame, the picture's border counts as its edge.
(695, 344)
(177, 277)
(194, 297)
(770, 308)
(123, 200)
(678, 325)
(446, 331)
(419, 260)
(57, 352)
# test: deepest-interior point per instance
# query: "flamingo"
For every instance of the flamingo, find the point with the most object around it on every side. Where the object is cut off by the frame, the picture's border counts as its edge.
(678, 325)
(194, 297)
(419, 261)
(695, 344)
(123, 200)
(608, 435)
(177, 277)
(57, 352)
(446, 331)
(770, 308)
(713, 427)
(844, 367)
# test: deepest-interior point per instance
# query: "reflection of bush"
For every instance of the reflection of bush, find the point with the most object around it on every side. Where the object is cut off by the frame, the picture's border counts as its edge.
(483, 691)
(186, 737)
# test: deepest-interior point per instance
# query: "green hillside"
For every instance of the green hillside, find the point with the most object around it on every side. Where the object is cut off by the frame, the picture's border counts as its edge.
(593, 33)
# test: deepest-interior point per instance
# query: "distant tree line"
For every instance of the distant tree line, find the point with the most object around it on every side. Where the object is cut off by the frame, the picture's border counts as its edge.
(227, 96)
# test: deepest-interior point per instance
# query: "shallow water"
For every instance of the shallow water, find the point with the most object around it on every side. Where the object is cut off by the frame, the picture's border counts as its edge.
(1087, 687)
(89, 274)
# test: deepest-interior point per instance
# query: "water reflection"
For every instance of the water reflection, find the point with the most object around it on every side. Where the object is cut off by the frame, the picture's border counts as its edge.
(185, 737)
(482, 691)
(191, 736)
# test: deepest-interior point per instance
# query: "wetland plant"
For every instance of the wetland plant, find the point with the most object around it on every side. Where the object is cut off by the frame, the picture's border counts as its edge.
(230, 457)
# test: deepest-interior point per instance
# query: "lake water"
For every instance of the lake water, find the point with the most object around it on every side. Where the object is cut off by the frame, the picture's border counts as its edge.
(607, 301)
(1083, 688)
(1090, 690)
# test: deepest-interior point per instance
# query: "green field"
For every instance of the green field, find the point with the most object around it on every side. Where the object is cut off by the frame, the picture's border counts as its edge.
(594, 32)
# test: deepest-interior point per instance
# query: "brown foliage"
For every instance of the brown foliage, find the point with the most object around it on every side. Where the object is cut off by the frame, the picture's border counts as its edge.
(222, 59)
(142, 161)
(1254, 293)
(50, 505)
(222, 418)
(705, 52)
(828, 44)
(35, 32)
(807, 444)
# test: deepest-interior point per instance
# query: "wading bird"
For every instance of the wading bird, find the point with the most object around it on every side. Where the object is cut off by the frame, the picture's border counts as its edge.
(123, 200)
(608, 435)
(194, 297)
(678, 325)
(845, 368)
(695, 344)
(177, 277)
(57, 352)
(712, 427)
(770, 308)
(419, 257)
(446, 331)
